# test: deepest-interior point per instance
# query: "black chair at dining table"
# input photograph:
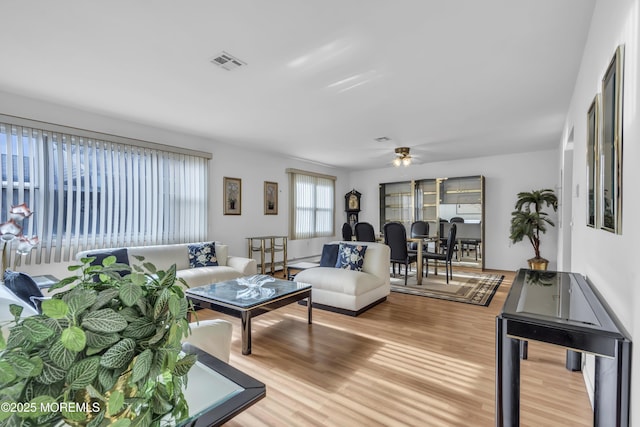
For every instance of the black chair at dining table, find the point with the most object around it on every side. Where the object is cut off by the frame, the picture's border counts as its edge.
(395, 236)
(365, 232)
(449, 249)
(419, 229)
(347, 232)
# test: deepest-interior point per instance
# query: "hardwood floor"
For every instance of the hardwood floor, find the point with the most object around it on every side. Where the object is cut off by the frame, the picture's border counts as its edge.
(410, 361)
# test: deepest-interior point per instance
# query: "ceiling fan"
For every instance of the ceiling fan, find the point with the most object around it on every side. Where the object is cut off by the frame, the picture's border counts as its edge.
(402, 157)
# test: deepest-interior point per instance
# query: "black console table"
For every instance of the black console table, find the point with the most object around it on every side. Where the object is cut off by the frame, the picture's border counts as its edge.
(566, 310)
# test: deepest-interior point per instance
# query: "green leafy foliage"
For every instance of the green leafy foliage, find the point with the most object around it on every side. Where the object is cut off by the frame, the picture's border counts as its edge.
(55, 308)
(104, 320)
(83, 373)
(110, 340)
(62, 356)
(119, 355)
(74, 339)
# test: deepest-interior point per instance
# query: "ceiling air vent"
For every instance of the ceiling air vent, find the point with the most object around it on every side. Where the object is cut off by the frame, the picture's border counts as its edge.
(227, 61)
(382, 139)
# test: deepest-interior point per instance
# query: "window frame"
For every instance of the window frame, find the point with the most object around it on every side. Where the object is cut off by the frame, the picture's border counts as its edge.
(316, 181)
(63, 192)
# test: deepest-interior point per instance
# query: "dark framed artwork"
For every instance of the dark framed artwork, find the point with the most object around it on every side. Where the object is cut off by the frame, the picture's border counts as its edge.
(270, 198)
(610, 146)
(232, 196)
(593, 130)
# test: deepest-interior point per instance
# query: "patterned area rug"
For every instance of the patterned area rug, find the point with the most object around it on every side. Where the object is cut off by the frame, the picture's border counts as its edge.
(470, 288)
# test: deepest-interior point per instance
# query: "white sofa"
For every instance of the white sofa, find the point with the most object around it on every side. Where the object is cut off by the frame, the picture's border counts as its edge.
(348, 291)
(163, 256)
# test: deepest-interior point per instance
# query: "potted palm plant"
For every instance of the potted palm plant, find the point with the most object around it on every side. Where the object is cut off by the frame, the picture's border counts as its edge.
(529, 221)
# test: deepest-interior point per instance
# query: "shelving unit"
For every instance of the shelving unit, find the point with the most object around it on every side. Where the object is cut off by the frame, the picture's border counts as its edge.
(428, 196)
(397, 204)
(439, 198)
(268, 245)
(466, 190)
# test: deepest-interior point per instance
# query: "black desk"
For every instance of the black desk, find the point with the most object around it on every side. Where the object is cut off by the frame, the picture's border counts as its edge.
(566, 310)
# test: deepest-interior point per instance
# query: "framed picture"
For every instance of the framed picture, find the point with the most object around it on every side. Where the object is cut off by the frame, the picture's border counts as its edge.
(610, 147)
(232, 196)
(270, 198)
(593, 130)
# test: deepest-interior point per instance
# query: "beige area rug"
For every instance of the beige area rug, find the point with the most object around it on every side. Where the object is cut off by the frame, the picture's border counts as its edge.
(466, 287)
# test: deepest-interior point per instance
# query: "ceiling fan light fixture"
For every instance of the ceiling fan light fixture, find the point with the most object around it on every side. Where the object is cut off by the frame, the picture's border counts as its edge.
(403, 158)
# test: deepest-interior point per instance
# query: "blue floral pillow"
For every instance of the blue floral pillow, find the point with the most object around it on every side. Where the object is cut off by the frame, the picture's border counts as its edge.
(350, 257)
(202, 255)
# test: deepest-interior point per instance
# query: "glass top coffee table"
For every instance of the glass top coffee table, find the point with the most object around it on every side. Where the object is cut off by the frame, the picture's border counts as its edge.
(250, 296)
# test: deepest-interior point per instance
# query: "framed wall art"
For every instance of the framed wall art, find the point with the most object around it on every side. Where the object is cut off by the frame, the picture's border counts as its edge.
(610, 146)
(593, 130)
(270, 198)
(232, 196)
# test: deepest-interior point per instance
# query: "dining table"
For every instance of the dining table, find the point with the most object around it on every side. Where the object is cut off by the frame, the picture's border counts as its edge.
(420, 240)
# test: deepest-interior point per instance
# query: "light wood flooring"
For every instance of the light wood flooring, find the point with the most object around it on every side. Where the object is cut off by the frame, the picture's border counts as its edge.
(410, 361)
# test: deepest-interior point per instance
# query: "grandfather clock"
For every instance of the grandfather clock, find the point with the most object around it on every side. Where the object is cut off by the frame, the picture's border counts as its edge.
(352, 206)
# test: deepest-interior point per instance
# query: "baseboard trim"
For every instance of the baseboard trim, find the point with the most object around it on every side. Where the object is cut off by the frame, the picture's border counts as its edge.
(342, 310)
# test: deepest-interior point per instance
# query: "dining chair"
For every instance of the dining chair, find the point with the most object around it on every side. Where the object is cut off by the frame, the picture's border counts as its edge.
(446, 256)
(365, 232)
(395, 236)
(347, 232)
(418, 229)
(445, 227)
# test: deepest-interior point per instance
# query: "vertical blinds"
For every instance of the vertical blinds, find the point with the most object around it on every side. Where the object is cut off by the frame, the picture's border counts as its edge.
(312, 205)
(89, 192)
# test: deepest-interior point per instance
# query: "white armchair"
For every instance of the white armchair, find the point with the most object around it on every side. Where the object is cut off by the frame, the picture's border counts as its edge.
(212, 336)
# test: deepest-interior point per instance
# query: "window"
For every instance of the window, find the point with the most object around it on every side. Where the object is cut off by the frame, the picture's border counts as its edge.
(89, 190)
(312, 204)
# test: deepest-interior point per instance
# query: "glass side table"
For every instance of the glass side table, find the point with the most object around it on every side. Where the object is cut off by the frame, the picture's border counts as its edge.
(216, 391)
(45, 281)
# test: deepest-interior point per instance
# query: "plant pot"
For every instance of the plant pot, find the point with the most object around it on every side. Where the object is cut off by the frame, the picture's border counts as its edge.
(538, 263)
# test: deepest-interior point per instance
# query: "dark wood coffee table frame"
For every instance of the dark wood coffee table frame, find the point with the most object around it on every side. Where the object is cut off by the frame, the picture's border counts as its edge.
(246, 313)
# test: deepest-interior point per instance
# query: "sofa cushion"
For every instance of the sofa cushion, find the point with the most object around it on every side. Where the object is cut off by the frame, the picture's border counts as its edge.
(207, 275)
(329, 255)
(222, 254)
(162, 256)
(348, 282)
(351, 257)
(202, 255)
(122, 257)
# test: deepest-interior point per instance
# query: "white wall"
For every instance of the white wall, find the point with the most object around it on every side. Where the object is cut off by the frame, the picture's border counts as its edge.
(252, 167)
(505, 176)
(608, 260)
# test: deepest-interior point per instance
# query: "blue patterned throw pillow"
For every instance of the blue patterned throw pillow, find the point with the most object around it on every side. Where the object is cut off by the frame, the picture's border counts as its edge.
(202, 255)
(350, 257)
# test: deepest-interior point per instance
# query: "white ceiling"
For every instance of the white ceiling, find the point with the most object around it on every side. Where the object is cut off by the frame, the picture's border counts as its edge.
(450, 79)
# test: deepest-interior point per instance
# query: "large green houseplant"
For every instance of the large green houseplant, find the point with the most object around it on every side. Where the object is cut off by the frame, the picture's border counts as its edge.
(529, 221)
(105, 351)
